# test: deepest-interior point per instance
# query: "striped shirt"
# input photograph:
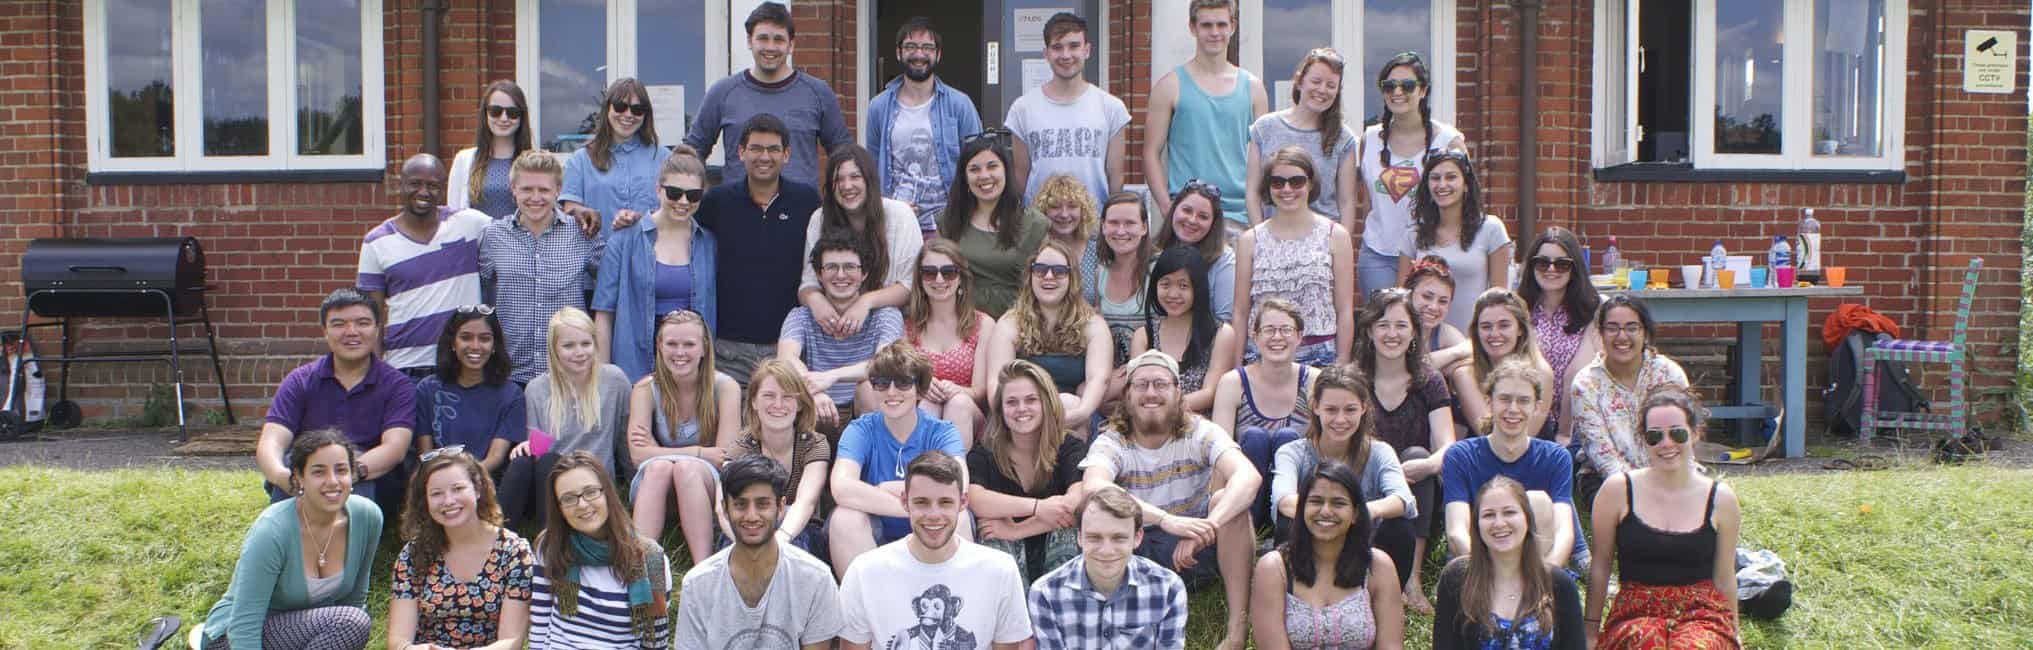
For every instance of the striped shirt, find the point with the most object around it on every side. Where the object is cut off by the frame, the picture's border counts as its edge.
(1175, 476)
(822, 353)
(424, 281)
(533, 277)
(602, 618)
(1148, 610)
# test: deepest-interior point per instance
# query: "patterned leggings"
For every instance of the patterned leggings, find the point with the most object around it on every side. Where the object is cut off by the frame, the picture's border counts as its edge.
(337, 627)
(1647, 617)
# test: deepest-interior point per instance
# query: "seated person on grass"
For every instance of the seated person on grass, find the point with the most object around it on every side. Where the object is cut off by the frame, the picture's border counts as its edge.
(1026, 472)
(760, 592)
(470, 401)
(1509, 449)
(835, 366)
(371, 402)
(452, 529)
(1145, 602)
(682, 420)
(868, 472)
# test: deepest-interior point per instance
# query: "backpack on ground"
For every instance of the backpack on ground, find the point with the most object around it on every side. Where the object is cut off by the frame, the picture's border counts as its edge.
(1842, 403)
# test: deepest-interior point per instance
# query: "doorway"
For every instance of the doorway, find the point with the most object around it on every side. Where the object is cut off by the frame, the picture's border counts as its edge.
(968, 32)
(961, 62)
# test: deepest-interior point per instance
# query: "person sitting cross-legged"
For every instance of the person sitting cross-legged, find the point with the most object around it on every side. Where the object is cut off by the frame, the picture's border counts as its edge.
(1109, 597)
(1026, 472)
(868, 472)
(760, 592)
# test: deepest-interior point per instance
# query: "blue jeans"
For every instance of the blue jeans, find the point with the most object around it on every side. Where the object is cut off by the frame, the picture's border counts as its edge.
(1261, 447)
(1374, 270)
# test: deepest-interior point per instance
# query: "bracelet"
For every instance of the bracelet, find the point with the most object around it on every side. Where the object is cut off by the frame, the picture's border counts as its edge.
(1034, 507)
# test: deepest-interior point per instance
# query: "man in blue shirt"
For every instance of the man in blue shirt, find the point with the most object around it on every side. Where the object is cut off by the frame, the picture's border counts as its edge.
(915, 125)
(868, 471)
(1542, 466)
(759, 223)
(772, 87)
(1109, 597)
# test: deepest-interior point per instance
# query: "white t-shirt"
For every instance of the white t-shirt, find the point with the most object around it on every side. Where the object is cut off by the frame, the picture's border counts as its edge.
(801, 605)
(892, 601)
(914, 162)
(1070, 138)
(1391, 187)
(1470, 268)
(1174, 476)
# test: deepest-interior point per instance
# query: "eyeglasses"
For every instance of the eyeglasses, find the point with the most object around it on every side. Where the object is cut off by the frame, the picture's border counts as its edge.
(1679, 435)
(619, 106)
(433, 454)
(1203, 188)
(674, 193)
(1281, 182)
(1558, 264)
(511, 111)
(586, 496)
(1151, 385)
(1626, 329)
(1044, 270)
(761, 150)
(1277, 330)
(840, 267)
(1391, 86)
(481, 309)
(884, 383)
(949, 271)
(928, 48)
(999, 134)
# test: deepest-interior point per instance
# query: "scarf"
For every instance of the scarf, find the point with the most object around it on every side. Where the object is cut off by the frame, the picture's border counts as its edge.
(645, 602)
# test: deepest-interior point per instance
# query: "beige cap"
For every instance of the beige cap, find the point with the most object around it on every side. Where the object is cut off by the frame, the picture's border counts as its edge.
(1153, 357)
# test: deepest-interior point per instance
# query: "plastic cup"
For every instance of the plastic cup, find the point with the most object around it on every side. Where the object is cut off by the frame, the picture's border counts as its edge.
(1785, 277)
(1758, 277)
(1726, 279)
(1638, 279)
(1691, 275)
(1835, 275)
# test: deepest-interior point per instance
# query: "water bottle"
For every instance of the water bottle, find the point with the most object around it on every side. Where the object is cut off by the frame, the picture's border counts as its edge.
(1810, 242)
(1782, 253)
(1612, 259)
(1718, 259)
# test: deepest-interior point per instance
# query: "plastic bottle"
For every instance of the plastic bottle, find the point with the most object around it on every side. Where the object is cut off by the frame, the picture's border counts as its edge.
(1718, 259)
(1809, 259)
(1611, 260)
(1782, 253)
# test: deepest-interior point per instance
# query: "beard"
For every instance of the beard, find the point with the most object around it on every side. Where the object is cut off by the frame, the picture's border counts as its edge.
(1170, 420)
(915, 73)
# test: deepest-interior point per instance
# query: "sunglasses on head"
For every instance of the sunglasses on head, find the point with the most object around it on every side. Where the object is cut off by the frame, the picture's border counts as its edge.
(433, 454)
(1282, 182)
(1203, 188)
(884, 383)
(949, 271)
(1560, 264)
(1678, 434)
(625, 107)
(674, 193)
(998, 134)
(1389, 86)
(481, 309)
(498, 111)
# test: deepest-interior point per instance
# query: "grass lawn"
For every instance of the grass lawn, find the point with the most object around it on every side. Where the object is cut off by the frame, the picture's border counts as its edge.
(1901, 558)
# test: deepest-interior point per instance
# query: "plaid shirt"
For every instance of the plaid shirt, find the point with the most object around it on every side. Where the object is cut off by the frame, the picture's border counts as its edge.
(1147, 611)
(532, 277)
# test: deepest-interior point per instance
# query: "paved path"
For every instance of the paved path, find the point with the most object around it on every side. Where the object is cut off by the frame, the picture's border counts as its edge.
(100, 450)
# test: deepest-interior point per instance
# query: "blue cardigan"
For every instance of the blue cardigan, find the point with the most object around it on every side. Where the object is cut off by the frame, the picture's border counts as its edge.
(627, 289)
(270, 578)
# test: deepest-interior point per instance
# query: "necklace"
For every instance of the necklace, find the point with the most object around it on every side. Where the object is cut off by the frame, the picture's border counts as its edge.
(322, 546)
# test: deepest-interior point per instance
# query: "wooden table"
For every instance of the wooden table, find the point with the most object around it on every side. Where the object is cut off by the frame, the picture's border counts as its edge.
(1750, 309)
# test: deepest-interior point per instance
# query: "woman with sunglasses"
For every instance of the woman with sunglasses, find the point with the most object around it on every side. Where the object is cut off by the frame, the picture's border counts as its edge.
(1052, 327)
(469, 402)
(1607, 390)
(782, 425)
(535, 262)
(1448, 223)
(1025, 476)
(598, 583)
(666, 265)
(1672, 533)
(986, 217)
(1501, 331)
(612, 180)
(1413, 411)
(1391, 159)
(479, 175)
(1195, 222)
(1563, 304)
(884, 230)
(1313, 123)
(941, 322)
(680, 419)
(1179, 321)
(1325, 588)
(579, 404)
(1300, 256)
(463, 580)
(1502, 595)
(1342, 428)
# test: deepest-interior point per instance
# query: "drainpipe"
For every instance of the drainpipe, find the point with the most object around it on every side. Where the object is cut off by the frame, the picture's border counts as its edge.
(1528, 111)
(432, 11)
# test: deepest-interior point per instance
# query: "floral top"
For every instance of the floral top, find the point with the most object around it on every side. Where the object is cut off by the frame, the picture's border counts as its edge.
(956, 364)
(1606, 412)
(1550, 326)
(1299, 270)
(465, 613)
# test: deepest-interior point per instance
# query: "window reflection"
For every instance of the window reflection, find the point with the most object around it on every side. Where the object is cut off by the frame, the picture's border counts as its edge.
(1849, 51)
(139, 93)
(1749, 78)
(234, 48)
(572, 40)
(1292, 28)
(670, 50)
(328, 78)
(1390, 27)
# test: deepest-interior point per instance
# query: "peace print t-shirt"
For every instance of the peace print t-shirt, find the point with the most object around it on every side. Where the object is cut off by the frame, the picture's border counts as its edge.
(892, 601)
(1070, 138)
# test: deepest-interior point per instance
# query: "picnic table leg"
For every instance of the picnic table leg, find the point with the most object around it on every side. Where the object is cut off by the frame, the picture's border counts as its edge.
(1795, 385)
(1750, 361)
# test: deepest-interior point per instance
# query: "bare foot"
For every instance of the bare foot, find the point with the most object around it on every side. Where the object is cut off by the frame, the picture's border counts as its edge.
(1415, 602)
(1234, 641)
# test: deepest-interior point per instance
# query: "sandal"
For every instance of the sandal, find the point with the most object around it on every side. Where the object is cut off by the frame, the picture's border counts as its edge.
(160, 631)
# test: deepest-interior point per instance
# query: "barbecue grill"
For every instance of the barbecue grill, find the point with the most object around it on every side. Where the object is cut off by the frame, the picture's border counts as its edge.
(160, 277)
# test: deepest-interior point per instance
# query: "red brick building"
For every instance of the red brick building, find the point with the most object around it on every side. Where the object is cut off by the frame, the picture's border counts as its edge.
(1865, 117)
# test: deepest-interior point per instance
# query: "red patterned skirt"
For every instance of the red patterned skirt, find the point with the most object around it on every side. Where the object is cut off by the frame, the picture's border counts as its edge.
(1687, 617)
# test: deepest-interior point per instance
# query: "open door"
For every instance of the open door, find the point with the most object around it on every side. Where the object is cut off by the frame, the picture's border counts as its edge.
(1013, 52)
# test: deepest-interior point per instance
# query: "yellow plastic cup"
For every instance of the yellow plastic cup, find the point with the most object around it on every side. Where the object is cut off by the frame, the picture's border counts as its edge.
(1726, 279)
(1835, 275)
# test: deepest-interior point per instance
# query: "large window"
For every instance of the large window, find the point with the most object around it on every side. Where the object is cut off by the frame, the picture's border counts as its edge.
(266, 85)
(1366, 32)
(569, 50)
(1751, 84)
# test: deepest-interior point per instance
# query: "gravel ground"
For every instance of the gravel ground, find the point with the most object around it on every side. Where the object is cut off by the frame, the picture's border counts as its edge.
(111, 449)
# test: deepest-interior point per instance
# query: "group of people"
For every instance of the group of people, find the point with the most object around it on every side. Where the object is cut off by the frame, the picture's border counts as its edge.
(961, 391)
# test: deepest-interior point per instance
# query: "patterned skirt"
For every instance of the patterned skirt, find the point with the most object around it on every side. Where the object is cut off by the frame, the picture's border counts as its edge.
(1686, 617)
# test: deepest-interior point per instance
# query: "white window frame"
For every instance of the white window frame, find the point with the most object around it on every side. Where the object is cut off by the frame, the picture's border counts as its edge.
(1796, 124)
(1347, 37)
(187, 78)
(621, 51)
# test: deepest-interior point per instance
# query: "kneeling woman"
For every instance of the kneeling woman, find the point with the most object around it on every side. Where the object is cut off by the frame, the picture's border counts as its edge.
(462, 579)
(678, 419)
(301, 580)
(1326, 589)
(1504, 594)
(1026, 473)
(1672, 533)
(598, 584)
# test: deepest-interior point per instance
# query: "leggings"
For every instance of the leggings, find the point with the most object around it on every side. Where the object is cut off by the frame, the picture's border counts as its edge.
(1426, 493)
(524, 491)
(337, 627)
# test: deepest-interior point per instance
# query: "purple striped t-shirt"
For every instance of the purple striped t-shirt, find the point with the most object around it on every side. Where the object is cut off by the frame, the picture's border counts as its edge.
(425, 281)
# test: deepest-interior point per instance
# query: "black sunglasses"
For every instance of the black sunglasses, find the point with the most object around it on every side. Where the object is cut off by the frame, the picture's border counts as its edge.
(884, 383)
(1281, 182)
(498, 111)
(674, 193)
(1203, 188)
(1044, 270)
(1679, 435)
(950, 271)
(625, 107)
(998, 134)
(1563, 264)
(1388, 86)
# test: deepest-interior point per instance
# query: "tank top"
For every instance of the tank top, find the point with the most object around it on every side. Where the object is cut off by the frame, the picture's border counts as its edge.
(1388, 227)
(673, 287)
(1068, 371)
(1123, 318)
(1247, 415)
(1299, 270)
(1649, 556)
(956, 364)
(1344, 625)
(686, 434)
(1208, 139)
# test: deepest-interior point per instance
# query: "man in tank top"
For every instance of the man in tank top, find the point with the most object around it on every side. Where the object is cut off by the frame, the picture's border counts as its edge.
(1200, 115)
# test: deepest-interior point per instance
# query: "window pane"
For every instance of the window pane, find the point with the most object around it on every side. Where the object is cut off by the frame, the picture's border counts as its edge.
(572, 50)
(328, 78)
(1390, 27)
(1749, 78)
(234, 48)
(1849, 49)
(138, 88)
(670, 49)
(1292, 28)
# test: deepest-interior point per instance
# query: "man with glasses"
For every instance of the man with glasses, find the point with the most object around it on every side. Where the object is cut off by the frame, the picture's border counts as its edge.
(915, 126)
(1542, 466)
(1109, 597)
(1069, 126)
(835, 366)
(420, 265)
(758, 221)
(535, 262)
(868, 471)
(1188, 477)
(761, 592)
(1199, 116)
(350, 390)
(805, 103)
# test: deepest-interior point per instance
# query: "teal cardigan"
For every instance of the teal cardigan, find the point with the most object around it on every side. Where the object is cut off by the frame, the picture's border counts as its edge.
(269, 576)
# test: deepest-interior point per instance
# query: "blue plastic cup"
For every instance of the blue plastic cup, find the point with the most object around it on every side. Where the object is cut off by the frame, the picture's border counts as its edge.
(1758, 276)
(1638, 279)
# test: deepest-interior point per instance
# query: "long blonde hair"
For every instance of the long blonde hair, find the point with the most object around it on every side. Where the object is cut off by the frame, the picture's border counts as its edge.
(1068, 333)
(702, 385)
(999, 440)
(574, 395)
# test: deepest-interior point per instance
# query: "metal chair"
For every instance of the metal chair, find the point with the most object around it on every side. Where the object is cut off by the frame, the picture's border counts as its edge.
(1954, 352)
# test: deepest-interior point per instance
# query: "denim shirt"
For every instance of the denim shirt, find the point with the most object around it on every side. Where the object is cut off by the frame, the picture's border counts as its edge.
(629, 182)
(953, 118)
(627, 289)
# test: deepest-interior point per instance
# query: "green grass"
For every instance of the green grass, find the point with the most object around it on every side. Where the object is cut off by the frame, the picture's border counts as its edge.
(1939, 560)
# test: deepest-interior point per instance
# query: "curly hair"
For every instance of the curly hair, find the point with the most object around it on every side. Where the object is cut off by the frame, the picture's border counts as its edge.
(427, 540)
(1061, 190)
(1065, 331)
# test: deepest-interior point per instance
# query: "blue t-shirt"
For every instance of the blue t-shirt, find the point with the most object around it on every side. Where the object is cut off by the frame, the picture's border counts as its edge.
(867, 441)
(475, 417)
(1470, 463)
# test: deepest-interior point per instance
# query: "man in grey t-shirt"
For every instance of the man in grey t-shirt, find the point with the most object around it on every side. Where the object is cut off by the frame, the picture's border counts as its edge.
(806, 104)
(760, 592)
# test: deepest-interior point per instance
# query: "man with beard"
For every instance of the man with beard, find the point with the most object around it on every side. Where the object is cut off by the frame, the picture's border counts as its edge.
(805, 103)
(1188, 476)
(760, 592)
(915, 126)
(1109, 597)
(420, 265)
(966, 597)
